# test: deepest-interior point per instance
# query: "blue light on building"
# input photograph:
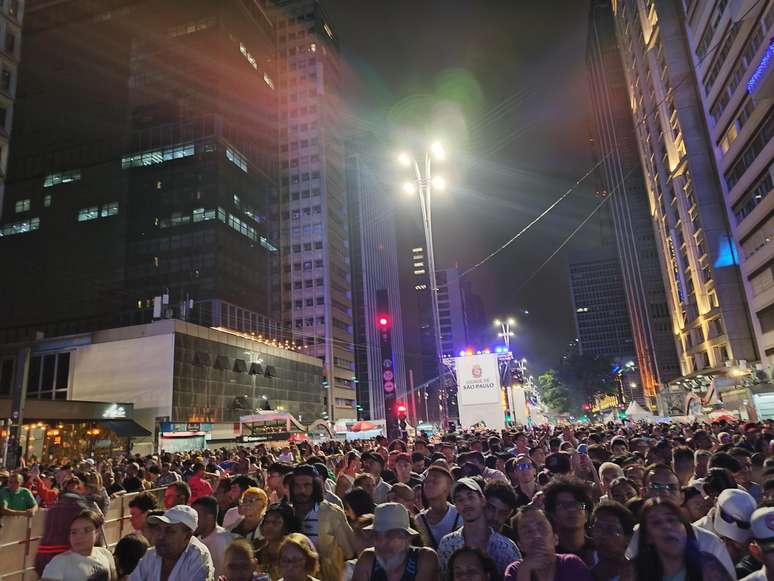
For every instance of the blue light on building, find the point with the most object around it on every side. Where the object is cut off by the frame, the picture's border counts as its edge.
(760, 70)
(726, 253)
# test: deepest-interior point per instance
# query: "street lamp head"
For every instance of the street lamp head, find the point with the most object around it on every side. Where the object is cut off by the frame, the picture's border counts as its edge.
(438, 151)
(497, 322)
(404, 159)
(439, 183)
(409, 188)
(511, 321)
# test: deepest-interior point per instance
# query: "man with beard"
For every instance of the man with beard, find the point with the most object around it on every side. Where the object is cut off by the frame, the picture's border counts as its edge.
(392, 556)
(475, 532)
(323, 522)
(177, 554)
(373, 463)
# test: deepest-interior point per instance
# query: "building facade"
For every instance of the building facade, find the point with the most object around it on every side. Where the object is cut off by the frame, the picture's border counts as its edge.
(11, 16)
(599, 304)
(731, 49)
(375, 284)
(622, 179)
(174, 372)
(451, 311)
(314, 265)
(157, 180)
(700, 267)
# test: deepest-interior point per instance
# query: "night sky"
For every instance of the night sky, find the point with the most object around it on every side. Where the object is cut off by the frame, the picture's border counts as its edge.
(503, 83)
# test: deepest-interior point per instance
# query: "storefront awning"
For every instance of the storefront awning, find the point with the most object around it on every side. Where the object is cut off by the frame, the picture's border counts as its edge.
(125, 428)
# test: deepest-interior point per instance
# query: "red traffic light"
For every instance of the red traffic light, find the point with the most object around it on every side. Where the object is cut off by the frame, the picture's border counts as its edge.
(401, 408)
(383, 321)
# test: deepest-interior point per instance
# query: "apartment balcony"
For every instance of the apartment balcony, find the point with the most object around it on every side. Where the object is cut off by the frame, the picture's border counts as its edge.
(742, 9)
(761, 83)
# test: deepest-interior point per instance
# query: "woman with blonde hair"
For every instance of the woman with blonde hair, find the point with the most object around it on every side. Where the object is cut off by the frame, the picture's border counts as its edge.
(298, 560)
(252, 506)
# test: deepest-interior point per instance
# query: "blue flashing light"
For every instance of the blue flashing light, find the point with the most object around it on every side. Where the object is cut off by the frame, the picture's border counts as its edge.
(498, 349)
(761, 69)
(726, 253)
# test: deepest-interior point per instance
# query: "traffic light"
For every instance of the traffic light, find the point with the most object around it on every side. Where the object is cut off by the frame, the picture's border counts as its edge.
(586, 407)
(401, 411)
(383, 321)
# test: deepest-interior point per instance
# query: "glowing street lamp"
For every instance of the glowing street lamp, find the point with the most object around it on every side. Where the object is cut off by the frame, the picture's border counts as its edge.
(424, 183)
(505, 331)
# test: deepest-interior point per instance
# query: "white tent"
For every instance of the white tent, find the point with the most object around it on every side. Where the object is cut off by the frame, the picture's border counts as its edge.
(635, 412)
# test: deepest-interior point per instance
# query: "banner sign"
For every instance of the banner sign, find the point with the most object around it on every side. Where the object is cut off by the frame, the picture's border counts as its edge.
(479, 395)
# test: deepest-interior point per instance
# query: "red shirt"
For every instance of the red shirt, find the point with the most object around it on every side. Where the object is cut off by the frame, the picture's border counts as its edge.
(199, 487)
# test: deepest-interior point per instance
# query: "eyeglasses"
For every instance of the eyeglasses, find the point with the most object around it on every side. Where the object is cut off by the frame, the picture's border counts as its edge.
(571, 505)
(742, 524)
(658, 487)
(523, 467)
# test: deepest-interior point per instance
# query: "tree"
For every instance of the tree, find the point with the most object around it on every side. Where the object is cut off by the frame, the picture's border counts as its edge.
(588, 375)
(553, 392)
(578, 380)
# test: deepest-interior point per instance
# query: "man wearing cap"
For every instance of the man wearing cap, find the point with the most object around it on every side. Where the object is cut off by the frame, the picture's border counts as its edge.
(475, 532)
(324, 523)
(731, 523)
(403, 470)
(392, 556)
(373, 463)
(177, 554)
(762, 543)
(441, 517)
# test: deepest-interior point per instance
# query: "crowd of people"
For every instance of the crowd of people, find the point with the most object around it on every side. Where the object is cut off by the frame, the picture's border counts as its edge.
(664, 502)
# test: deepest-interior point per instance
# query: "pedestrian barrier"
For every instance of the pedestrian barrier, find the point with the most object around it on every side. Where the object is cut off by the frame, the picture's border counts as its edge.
(20, 536)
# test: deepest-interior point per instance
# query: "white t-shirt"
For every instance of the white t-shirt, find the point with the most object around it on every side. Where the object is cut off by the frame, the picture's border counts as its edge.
(70, 566)
(708, 543)
(451, 521)
(232, 517)
(216, 542)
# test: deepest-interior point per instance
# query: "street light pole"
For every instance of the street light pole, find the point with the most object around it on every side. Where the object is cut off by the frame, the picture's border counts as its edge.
(505, 331)
(424, 186)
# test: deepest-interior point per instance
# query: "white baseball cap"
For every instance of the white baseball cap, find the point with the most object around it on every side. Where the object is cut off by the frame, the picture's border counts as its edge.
(733, 513)
(762, 527)
(180, 514)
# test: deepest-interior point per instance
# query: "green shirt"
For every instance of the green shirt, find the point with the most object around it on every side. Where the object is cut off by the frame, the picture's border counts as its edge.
(22, 499)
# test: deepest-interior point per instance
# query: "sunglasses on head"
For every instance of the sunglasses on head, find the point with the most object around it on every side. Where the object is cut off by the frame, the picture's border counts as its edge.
(742, 524)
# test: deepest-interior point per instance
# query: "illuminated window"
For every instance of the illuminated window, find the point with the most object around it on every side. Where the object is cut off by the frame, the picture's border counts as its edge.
(47, 201)
(22, 206)
(86, 214)
(419, 272)
(237, 159)
(20, 227)
(64, 177)
(154, 156)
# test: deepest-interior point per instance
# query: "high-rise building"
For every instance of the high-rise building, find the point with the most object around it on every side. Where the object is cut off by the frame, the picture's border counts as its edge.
(731, 50)
(375, 285)
(622, 179)
(11, 15)
(144, 163)
(451, 311)
(314, 266)
(599, 304)
(699, 262)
